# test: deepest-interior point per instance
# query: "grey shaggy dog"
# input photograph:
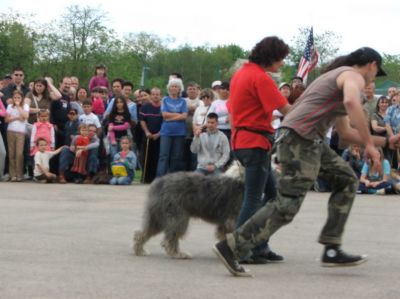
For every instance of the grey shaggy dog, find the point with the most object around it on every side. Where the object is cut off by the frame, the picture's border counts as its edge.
(174, 198)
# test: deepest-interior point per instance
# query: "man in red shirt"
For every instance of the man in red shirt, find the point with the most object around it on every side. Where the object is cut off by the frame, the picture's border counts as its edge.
(253, 97)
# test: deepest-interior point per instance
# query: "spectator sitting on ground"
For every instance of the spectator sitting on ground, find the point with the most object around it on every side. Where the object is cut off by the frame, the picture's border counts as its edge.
(377, 182)
(211, 147)
(41, 171)
(354, 156)
(124, 164)
(67, 157)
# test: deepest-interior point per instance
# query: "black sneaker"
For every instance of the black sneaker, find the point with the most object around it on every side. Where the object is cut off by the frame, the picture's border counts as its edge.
(271, 256)
(333, 256)
(225, 254)
(254, 260)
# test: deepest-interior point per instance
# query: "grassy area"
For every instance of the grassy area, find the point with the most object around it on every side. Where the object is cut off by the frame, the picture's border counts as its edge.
(138, 176)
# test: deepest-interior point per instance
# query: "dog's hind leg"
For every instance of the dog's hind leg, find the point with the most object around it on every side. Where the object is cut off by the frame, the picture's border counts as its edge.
(175, 229)
(150, 229)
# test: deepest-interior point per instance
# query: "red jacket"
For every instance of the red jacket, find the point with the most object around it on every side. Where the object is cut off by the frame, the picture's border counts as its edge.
(253, 98)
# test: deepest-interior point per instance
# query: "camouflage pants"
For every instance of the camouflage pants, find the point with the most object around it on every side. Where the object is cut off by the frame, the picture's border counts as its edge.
(302, 162)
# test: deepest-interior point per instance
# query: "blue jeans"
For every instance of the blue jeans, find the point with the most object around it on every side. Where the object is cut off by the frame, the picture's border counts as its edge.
(260, 186)
(122, 180)
(171, 154)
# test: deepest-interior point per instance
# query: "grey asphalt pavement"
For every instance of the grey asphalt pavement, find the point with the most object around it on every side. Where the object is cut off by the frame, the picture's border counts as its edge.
(74, 241)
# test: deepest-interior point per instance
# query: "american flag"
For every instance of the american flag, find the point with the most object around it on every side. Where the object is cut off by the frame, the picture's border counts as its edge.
(309, 59)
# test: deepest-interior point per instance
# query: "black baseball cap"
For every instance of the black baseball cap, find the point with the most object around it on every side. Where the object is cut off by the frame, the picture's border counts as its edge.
(7, 76)
(366, 55)
(224, 85)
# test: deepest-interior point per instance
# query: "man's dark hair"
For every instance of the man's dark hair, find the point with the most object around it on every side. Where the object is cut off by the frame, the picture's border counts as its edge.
(127, 83)
(193, 84)
(269, 50)
(18, 69)
(212, 115)
(178, 75)
(120, 80)
(87, 102)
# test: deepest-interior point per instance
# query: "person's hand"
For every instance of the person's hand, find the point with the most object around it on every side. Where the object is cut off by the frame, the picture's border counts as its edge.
(372, 153)
(110, 128)
(374, 184)
(210, 167)
(155, 136)
(197, 131)
(149, 135)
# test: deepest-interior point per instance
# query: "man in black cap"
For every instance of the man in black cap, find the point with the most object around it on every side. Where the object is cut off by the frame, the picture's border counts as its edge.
(333, 98)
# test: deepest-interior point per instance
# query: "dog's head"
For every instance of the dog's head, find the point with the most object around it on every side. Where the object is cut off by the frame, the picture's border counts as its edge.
(235, 170)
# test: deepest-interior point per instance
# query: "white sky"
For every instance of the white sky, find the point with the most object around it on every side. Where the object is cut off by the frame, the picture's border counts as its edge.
(217, 22)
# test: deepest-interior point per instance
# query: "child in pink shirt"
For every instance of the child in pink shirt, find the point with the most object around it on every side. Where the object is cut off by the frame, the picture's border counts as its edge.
(42, 129)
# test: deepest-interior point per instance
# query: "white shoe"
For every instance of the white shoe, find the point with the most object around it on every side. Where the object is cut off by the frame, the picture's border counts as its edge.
(381, 191)
(5, 178)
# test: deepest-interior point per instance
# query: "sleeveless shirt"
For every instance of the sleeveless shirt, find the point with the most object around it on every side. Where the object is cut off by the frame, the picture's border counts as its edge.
(316, 109)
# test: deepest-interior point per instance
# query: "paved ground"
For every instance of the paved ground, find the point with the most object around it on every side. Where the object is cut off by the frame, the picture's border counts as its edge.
(74, 241)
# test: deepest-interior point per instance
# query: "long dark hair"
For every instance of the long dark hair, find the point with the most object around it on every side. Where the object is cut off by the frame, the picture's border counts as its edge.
(359, 57)
(114, 111)
(42, 81)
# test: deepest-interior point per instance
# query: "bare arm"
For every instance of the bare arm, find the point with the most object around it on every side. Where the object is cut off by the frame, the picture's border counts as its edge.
(145, 128)
(285, 109)
(376, 127)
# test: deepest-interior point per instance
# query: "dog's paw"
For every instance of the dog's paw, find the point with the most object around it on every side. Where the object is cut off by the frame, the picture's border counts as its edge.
(140, 252)
(182, 255)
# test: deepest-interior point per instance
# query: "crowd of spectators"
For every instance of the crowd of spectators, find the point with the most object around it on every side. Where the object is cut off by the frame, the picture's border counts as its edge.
(73, 134)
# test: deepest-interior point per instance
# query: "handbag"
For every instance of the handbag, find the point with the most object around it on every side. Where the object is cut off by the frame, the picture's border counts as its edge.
(118, 169)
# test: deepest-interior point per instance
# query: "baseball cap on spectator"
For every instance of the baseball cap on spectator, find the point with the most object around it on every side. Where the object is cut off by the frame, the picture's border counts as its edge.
(224, 85)
(7, 77)
(284, 84)
(216, 84)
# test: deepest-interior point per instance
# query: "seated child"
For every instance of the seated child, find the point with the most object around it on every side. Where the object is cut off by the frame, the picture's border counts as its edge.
(354, 156)
(124, 164)
(41, 171)
(80, 148)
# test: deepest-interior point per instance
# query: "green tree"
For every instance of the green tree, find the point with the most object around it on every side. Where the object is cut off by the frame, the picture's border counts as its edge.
(391, 64)
(326, 43)
(16, 43)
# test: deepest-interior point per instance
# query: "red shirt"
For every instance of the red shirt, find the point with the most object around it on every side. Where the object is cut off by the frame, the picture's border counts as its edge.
(253, 97)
